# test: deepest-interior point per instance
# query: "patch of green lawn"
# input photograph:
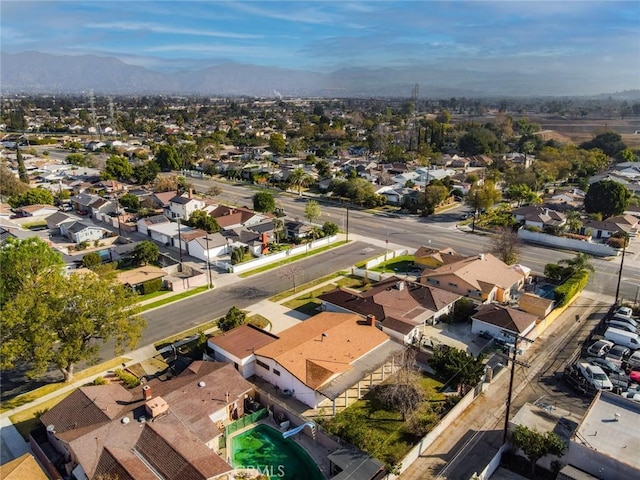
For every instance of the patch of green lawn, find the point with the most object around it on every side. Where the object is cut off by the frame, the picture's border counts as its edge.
(187, 333)
(151, 295)
(307, 303)
(291, 259)
(312, 283)
(399, 265)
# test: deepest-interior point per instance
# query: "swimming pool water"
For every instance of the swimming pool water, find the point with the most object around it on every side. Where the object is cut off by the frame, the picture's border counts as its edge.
(263, 448)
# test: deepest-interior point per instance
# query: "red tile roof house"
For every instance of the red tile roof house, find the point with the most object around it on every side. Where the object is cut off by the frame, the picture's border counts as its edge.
(483, 278)
(401, 308)
(317, 361)
(165, 429)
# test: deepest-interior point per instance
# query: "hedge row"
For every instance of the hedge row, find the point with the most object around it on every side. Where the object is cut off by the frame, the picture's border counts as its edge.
(574, 284)
(151, 286)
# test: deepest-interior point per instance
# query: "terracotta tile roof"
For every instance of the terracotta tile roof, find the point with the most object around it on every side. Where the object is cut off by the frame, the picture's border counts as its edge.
(510, 319)
(23, 468)
(481, 271)
(242, 341)
(322, 346)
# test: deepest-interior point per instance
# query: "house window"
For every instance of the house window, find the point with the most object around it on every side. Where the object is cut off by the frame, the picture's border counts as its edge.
(453, 285)
(277, 372)
(263, 365)
(434, 281)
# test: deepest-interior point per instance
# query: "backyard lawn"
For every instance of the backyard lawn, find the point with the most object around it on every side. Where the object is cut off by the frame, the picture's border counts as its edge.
(400, 265)
(308, 303)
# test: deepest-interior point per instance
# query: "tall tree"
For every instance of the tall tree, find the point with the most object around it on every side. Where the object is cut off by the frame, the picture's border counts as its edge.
(505, 245)
(607, 197)
(167, 158)
(145, 252)
(277, 143)
(483, 196)
(578, 263)
(33, 196)
(22, 170)
(536, 445)
(403, 392)
(299, 179)
(264, 202)
(146, 172)
(10, 186)
(59, 320)
(234, 318)
(130, 201)
(117, 167)
(202, 220)
(312, 210)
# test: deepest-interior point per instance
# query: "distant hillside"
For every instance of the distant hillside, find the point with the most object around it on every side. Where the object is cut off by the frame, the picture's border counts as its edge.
(34, 72)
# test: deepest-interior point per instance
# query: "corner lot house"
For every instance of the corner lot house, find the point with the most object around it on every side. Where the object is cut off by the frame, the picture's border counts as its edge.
(483, 278)
(401, 308)
(321, 358)
(165, 429)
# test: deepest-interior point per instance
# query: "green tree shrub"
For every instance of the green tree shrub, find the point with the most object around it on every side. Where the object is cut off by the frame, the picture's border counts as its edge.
(151, 286)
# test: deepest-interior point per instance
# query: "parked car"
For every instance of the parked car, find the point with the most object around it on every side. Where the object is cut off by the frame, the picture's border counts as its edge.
(627, 327)
(624, 311)
(634, 360)
(627, 320)
(600, 348)
(618, 354)
(632, 395)
(607, 365)
(595, 376)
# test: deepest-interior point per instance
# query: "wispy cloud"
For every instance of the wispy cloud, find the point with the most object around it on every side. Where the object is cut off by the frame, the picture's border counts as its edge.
(156, 28)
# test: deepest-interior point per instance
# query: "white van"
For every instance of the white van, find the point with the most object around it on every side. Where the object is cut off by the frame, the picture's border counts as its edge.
(620, 337)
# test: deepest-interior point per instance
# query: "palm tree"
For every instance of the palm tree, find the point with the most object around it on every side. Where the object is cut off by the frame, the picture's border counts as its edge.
(299, 179)
(574, 222)
(579, 263)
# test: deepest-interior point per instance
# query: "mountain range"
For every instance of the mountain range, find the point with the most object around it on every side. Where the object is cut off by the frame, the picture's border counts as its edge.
(35, 72)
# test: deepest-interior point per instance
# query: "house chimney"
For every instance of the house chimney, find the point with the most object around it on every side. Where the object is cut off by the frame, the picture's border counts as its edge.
(481, 256)
(372, 320)
(146, 392)
(400, 285)
(190, 192)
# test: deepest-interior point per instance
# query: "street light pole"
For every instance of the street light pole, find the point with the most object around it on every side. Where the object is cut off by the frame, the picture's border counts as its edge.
(347, 223)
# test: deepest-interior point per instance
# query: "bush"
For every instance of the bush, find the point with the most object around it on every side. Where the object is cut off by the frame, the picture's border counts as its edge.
(129, 380)
(82, 245)
(574, 284)
(151, 286)
(99, 381)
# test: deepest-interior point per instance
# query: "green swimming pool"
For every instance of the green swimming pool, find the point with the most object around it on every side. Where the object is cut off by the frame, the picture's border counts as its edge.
(263, 448)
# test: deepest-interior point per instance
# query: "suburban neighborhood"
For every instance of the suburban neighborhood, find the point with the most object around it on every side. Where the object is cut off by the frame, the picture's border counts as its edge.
(350, 287)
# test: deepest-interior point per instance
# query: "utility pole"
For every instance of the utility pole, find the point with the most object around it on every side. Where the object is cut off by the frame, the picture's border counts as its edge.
(347, 223)
(179, 242)
(208, 266)
(624, 250)
(514, 361)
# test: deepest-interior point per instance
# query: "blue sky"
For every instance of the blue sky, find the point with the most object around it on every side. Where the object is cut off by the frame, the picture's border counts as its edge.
(541, 37)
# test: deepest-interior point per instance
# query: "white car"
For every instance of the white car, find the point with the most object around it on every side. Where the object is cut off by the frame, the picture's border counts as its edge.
(595, 376)
(625, 312)
(599, 348)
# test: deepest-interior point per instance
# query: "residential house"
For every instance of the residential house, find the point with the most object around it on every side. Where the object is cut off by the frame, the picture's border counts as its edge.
(54, 221)
(535, 304)
(540, 217)
(111, 186)
(144, 223)
(164, 429)
(427, 174)
(573, 197)
(401, 308)
(483, 278)
(168, 233)
(25, 467)
(503, 322)
(295, 229)
(627, 224)
(433, 258)
(80, 232)
(397, 196)
(82, 202)
(102, 209)
(36, 210)
(182, 206)
(256, 242)
(161, 199)
(238, 346)
(188, 236)
(136, 277)
(234, 217)
(320, 359)
(208, 246)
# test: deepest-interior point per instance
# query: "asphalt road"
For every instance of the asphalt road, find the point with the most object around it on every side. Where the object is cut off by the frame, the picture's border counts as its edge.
(193, 311)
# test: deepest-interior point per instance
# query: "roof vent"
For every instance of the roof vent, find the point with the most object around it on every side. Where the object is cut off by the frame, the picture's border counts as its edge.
(481, 256)
(51, 429)
(616, 417)
(125, 420)
(201, 384)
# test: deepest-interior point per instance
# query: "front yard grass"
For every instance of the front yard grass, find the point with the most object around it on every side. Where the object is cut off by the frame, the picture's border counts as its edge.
(308, 303)
(400, 265)
(186, 334)
(173, 298)
(312, 283)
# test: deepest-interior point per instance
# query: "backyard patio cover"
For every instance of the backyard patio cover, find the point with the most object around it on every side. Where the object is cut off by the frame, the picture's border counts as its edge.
(355, 465)
(360, 368)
